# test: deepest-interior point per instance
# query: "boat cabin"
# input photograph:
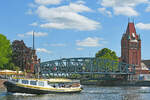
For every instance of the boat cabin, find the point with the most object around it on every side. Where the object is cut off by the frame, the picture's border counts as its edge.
(30, 82)
(54, 83)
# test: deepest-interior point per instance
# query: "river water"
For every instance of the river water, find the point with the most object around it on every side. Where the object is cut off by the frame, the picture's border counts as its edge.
(89, 93)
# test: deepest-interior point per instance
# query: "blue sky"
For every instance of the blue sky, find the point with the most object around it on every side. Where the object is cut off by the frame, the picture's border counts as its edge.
(74, 28)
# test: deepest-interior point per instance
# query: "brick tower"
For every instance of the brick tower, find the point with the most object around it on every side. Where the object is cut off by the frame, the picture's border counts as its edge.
(131, 47)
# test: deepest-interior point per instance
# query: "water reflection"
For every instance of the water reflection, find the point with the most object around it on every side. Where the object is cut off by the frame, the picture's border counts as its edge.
(131, 97)
(89, 93)
(135, 93)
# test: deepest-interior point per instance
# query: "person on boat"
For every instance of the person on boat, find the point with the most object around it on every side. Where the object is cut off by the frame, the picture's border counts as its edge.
(54, 86)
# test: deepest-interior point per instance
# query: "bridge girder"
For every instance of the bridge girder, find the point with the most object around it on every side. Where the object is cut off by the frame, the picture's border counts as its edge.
(86, 66)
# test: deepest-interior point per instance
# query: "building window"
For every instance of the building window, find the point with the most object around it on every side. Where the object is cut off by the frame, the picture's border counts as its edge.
(133, 45)
(133, 36)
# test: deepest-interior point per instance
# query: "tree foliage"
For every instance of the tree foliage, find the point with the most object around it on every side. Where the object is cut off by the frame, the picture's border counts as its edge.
(108, 60)
(5, 51)
(106, 53)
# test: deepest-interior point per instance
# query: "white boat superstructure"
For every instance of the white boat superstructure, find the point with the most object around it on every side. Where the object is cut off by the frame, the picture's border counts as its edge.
(43, 86)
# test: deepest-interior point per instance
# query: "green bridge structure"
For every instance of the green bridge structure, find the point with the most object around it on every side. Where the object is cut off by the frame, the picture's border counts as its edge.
(66, 67)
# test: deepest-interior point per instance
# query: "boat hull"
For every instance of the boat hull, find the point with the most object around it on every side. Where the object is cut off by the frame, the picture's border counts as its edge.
(14, 88)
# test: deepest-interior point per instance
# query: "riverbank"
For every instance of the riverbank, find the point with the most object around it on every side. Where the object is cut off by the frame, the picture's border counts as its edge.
(1, 83)
(115, 83)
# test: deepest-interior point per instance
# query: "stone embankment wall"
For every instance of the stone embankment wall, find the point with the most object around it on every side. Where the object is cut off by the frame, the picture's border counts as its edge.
(116, 83)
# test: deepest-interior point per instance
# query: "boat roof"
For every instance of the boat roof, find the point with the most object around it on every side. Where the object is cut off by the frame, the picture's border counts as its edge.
(10, 72)
(59, 80)
(54, 80)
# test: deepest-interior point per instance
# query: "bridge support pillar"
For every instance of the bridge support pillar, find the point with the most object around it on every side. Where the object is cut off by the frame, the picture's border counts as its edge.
(130, 77)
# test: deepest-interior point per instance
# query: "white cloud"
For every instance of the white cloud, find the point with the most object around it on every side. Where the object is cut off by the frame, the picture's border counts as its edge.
(67, 17)
(80, 2)
(105, 12)
(34, 24)
(53, 25)
(123, 3)
(79, 49)
(20, 35)
(127, 11)
(37, 34)
(48, 2)
(123, 7)
(29, 12)
(143, 26)
(58, 45)
(32, 5)
(147, 9)
(43, 50)
(76, 7)
(89, 42)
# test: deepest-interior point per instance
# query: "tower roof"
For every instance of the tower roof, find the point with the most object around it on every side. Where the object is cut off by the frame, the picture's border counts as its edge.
(131, 31)
(131, 28)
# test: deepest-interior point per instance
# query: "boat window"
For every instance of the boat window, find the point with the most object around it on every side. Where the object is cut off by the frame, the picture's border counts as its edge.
(15, 80)
(54, 85)
(41, 83)
(33, 82)
(25, 81)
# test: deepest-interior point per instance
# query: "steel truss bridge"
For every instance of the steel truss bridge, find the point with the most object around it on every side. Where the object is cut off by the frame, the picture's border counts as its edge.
(84, 66)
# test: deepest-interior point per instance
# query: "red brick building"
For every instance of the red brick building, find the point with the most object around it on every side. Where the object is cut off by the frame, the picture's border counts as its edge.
(24, 57)
(131, 48)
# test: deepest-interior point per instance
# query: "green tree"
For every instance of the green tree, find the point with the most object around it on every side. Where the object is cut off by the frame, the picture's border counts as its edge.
(107, 54)
(108, 59)
(5, 52)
